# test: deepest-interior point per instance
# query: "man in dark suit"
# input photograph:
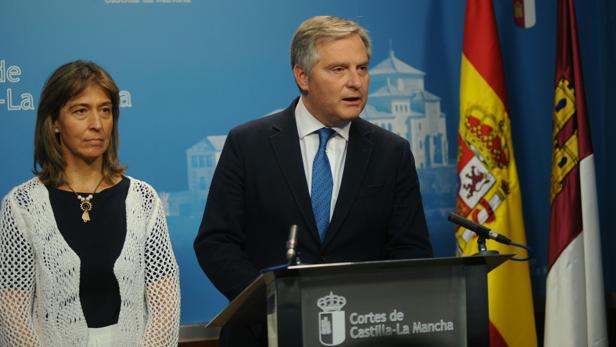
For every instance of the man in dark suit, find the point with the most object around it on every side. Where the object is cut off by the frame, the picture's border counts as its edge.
(350, 186)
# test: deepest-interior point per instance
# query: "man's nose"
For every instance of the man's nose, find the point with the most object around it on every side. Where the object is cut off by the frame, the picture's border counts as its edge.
(355, 79)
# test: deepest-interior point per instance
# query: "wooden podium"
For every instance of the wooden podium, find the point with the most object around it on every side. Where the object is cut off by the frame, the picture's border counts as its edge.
(422, 302)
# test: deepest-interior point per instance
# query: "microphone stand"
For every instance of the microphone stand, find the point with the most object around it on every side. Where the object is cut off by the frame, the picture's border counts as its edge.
(296, 260)
(483, 249)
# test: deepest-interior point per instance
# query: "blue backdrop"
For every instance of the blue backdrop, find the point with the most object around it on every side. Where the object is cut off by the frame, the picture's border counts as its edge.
(191, 70)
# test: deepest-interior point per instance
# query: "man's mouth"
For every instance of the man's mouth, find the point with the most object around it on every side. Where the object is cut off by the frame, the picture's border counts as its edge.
(352, 99)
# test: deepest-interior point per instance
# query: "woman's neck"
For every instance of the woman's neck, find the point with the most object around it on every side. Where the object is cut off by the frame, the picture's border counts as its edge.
(83, 177)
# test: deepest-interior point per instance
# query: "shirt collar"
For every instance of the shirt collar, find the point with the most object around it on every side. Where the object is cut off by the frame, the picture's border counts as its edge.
(308, 124)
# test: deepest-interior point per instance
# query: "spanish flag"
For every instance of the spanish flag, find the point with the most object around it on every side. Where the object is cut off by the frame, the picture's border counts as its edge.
(489, 192)
(575, 302)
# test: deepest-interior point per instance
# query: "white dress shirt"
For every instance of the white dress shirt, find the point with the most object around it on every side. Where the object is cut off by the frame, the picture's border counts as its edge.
(307, 129)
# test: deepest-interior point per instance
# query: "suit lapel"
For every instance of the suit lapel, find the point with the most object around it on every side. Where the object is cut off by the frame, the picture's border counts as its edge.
(358, 156)
(285, 144)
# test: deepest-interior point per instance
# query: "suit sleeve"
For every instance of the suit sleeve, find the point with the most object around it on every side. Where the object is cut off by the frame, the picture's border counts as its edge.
(220, 241)
(407, 231)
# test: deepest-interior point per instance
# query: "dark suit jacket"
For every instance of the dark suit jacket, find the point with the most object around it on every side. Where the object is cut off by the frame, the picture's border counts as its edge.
(259, 189)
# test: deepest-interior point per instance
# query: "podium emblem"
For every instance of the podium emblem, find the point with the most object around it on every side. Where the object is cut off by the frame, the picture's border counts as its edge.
(332, 328)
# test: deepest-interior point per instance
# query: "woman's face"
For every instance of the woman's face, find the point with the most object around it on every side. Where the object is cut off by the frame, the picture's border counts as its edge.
(84, 126)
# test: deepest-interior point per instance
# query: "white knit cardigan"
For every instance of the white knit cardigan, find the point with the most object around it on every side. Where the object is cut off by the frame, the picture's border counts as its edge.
(39, 274)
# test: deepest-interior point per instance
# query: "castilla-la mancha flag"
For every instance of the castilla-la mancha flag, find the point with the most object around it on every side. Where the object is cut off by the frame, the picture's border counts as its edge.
(489, 192)
(575, 302)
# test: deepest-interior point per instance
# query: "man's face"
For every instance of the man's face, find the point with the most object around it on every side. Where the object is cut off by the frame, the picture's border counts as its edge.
(336, 90)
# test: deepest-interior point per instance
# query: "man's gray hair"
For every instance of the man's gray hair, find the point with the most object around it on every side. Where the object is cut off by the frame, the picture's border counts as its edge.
(312, 31)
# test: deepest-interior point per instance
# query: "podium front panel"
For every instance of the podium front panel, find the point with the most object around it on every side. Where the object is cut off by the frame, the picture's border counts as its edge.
(386, 307)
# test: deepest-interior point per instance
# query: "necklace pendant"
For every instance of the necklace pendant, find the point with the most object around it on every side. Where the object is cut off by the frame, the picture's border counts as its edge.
(85, 202)
(86, 206)
(85, 217)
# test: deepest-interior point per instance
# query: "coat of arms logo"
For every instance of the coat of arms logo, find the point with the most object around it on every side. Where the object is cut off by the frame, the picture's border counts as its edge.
(331, 320)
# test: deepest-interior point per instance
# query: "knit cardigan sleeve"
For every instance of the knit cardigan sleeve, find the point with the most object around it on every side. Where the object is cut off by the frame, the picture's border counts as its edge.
(17, 279)
(161, 281)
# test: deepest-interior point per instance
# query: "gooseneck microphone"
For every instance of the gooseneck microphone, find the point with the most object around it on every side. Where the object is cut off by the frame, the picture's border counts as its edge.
(291, 244)
(477, 229)
(486, 233)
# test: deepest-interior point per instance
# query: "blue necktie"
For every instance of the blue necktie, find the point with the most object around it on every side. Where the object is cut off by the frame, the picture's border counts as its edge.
(322, 184)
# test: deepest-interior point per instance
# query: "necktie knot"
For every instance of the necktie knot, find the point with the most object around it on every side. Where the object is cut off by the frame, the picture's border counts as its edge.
(324, 135)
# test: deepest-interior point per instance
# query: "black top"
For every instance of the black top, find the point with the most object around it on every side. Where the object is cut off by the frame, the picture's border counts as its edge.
(98, 244)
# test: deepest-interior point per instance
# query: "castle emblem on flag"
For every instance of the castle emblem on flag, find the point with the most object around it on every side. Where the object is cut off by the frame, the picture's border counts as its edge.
(565, 154)
(332, 320)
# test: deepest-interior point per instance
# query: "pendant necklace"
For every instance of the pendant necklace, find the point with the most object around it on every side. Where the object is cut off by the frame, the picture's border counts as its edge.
(86, 201)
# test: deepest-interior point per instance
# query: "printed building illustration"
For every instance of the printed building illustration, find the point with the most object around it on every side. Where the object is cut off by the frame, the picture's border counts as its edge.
(201, 160)
(397, 102)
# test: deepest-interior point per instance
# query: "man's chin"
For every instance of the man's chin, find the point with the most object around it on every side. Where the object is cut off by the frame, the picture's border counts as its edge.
(352, 112)
(345, 118)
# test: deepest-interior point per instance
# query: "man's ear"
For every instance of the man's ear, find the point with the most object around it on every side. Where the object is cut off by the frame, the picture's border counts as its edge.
(301, 78)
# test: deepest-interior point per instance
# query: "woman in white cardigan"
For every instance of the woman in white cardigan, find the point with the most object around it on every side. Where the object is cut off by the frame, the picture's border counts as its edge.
(85, 255)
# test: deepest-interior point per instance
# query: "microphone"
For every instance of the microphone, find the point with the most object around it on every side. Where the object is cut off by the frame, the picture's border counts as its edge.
(291, 243)
(477, 229)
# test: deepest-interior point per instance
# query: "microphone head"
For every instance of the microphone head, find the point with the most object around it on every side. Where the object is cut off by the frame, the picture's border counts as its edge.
(470, 225)
(292, 242)
(455, 218)
(451, 216)
(293, 232)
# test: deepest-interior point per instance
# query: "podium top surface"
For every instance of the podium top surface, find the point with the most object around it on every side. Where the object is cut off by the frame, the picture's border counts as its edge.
(492, 261)
(251, 300)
